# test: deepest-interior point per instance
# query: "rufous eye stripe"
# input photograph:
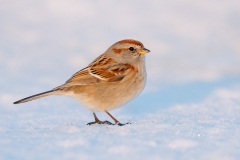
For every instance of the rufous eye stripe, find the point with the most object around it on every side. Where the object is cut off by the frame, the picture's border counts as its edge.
(118, 51)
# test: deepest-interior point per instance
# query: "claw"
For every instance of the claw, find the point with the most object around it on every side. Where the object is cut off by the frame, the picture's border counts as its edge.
(121, 124)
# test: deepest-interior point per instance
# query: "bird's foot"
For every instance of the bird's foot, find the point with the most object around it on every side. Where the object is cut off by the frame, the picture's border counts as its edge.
(107, 122)
(100, 122)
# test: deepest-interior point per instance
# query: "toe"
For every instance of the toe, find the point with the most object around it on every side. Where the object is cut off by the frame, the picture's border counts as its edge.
(121, 124)
(107, 122)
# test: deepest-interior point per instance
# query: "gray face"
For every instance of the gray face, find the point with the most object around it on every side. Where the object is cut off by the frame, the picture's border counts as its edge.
(130, 51)
(126, 52)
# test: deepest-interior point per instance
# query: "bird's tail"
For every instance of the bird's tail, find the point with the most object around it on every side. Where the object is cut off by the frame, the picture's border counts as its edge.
(36, 96)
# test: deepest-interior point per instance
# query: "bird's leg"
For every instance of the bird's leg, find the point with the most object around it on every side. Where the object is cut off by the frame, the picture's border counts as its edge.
(115, 120)
(98, 121)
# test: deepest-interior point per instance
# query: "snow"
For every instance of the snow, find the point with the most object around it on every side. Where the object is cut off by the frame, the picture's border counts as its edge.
(190, 108)
(206, 130)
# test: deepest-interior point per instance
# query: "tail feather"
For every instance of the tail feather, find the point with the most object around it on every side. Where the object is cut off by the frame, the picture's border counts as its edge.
(36, 96)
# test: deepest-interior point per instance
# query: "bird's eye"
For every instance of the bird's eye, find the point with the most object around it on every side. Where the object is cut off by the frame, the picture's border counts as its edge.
(131, 48)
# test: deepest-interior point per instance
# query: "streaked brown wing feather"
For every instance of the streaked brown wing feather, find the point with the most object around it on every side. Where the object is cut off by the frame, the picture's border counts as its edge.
(79, 75)
(111, 73)
(82, 78)
(101, 70)
(102, 60)
(101, 73)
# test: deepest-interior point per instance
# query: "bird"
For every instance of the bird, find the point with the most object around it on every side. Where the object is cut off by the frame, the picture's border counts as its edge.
(108, 82)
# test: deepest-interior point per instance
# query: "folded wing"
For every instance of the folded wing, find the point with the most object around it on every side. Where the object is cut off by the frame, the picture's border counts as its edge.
(101, 70)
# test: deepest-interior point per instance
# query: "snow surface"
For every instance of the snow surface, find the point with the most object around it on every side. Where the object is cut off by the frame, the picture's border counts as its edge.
(206, 130)
(190, 108)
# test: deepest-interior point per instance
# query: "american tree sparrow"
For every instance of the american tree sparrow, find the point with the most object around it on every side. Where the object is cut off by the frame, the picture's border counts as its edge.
(112, 79)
